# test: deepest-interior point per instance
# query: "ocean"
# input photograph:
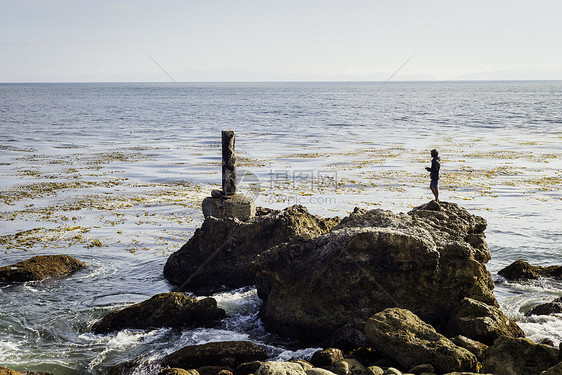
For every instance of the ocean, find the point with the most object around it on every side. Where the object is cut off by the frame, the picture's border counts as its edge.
(114, 175)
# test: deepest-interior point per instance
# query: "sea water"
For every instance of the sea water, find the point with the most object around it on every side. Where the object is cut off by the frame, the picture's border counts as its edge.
(114, 174)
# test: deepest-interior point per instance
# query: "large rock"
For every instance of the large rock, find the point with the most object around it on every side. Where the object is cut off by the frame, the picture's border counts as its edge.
(326, 357)
(40, 267)
(224, 353)
(482, 322)
(404, 337)
(426, 261)
(163, 310)
(280, 368)
(512, 356)
(553, 307)
(222, 250)
(521, 270)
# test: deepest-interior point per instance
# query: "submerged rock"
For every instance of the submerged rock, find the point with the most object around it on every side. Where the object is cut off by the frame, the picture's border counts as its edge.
(521, 270)
(481, 322)
(426, 261)
(404, 337)
(224, 353)
(519, 356)
(553, 307)
(40, 267)
(221, 252)
(163, 310)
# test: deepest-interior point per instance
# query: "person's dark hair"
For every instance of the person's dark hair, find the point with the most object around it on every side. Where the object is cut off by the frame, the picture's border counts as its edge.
(434, 153)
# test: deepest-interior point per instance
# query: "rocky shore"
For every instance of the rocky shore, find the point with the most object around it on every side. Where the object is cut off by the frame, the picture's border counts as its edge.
(383, 293)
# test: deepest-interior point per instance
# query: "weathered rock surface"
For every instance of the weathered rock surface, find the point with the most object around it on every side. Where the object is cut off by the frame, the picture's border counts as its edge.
(222, 250)
(40, 267)
(404, 337)
(426, 261)
(554, 370)
(326, 357)
(475, 347)
(223, 353)
(519, 356)
(248, 368)
(163, 310)
(481, 322)
(280, 368)
(520, 269)
(349, 366)
(553, 307)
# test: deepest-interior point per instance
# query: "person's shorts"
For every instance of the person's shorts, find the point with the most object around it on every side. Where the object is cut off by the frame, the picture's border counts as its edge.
(434, 184)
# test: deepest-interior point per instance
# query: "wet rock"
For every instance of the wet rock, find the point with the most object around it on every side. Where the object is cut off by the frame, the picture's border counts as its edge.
(481, 322)
(163, 310)
(475, 347)
(426, 261)
(223, 353)
(407, 339)
(518, 356)
(326, 357)
(248, 368)
(280, 368)
(40, 267)
(521, 270)
(553, 307)
(221, 252)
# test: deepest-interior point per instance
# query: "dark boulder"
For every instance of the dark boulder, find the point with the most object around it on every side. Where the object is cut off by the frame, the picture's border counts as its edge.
(518, 356)
(326, 357)
(224, 353)
(221, 252)
(426, 261)
(521, 270)
(404, 337)
(163, 310)
(553, 307)
(40, 267)
(482, 322)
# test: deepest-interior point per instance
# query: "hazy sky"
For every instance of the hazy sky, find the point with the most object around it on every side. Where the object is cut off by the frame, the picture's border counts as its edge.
(101, 40)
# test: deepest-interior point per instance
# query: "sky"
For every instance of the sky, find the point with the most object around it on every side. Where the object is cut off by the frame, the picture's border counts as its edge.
(273, 40)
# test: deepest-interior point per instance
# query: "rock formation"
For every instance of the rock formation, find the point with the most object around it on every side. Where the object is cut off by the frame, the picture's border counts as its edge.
(225, 353)
(163, 310)
(548, 308)
(426, 261)
(521, 270)
(40, 267)
(482, 322)
(407, 339)
(222, 250)
(519, 356)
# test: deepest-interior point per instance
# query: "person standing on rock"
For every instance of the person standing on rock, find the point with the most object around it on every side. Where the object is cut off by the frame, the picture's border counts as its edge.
(434, 173)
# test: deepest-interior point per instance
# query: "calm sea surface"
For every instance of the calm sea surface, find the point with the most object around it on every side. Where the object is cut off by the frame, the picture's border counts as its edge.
(114, 174)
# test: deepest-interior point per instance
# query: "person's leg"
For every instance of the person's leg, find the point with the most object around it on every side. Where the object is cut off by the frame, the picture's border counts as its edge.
(434, 189)
(435, 193)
